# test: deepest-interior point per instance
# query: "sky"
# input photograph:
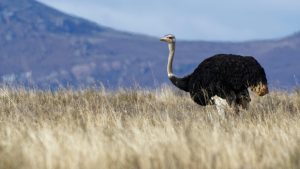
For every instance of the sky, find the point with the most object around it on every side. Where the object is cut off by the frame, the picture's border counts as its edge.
(211, 20)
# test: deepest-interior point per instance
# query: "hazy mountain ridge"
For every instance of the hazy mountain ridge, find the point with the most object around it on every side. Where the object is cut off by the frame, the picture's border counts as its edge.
(42, 46)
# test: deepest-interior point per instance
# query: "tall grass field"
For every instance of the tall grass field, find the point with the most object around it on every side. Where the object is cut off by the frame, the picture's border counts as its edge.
(144, 129)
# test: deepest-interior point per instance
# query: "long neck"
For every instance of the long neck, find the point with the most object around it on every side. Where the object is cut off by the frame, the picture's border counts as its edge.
(181, 83)
(170, 59)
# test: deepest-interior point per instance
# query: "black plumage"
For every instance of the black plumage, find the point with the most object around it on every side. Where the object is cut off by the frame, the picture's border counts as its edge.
(225, 75)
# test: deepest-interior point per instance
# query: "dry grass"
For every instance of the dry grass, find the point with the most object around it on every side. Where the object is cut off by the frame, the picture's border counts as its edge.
(144, 129)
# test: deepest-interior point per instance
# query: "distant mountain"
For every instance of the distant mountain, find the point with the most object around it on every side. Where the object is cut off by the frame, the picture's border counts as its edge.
(43, 47)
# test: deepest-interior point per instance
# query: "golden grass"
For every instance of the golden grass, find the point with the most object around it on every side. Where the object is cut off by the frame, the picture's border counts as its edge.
(131, 129)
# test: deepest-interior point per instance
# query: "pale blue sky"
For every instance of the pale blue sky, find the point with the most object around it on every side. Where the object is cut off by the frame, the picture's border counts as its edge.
(230, 20)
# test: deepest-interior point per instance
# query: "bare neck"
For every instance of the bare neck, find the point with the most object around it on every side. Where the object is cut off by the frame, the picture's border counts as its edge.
(170, 59)
(181, 83)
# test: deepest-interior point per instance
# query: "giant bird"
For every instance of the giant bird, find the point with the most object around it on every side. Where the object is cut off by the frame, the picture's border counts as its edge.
(227, 76)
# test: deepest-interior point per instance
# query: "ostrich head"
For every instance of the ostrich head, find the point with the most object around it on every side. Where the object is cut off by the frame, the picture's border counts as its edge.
(168, 38)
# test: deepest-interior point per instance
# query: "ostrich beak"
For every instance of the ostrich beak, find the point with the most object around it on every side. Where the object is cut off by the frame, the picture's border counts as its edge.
(163, 39)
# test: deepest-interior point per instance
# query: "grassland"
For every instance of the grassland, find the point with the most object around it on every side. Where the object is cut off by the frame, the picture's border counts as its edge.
(142, 129)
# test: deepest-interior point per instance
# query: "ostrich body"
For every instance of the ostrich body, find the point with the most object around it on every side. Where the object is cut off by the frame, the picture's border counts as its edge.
(224, 75)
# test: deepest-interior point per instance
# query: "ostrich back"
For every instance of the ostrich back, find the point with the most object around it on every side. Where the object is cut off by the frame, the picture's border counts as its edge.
(225, 73)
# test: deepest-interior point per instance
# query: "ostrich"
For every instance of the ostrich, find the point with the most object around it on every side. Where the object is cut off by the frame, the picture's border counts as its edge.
(226, 76)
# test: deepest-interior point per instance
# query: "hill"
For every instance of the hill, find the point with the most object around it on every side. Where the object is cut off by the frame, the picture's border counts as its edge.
(44, 47)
